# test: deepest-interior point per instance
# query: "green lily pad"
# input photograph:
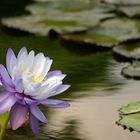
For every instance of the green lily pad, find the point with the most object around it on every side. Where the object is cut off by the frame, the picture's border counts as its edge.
(123, 2)
(78, 8)
(61, 16)
(131, 108)
(91, 38)
(132, 70)
(127, 52)
(56, 0)
(130, 11)
(74, 6)
(130, 116)
(63, 5)
(109, 33)
(42, 24)
(131, 121)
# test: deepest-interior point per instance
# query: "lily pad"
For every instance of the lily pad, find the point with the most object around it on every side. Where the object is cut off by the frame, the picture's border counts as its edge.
(75, 6)
(131, 122)
(59, 0)
(130, 116)
(41, 24)
(109, 33)
(123, 2)
(132, 70)
(78, 8)
(131, 108)
(127, 52)
(130, 11)
(62, 5)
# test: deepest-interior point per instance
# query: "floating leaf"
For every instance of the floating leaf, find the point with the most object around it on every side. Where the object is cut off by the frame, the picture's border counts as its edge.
(58, 0)
(90, 38)
(131, 121)
(84, 9)
(108, 33)
(132, 70)
(79, 8)
(130, 116)
(131, 108)
(123, 2)
(127, 52)
(74, 6)
(59, 6)
(130, 11)
(61, 16)
(42, 24)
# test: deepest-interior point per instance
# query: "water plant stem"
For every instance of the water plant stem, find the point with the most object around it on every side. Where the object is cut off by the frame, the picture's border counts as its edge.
(3, 127)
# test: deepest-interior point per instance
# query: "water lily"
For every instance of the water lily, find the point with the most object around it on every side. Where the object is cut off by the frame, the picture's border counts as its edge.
(27, 83)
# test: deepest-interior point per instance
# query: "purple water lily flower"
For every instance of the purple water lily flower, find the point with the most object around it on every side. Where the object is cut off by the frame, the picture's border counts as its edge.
(28, 83)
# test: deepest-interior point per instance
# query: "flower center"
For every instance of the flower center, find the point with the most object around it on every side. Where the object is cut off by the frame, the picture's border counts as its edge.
(37, 79)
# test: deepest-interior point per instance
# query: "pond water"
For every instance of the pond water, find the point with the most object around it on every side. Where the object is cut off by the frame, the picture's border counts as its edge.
(98, 89)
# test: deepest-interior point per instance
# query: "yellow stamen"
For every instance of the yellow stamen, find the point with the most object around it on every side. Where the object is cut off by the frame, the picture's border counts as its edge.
(37, 79)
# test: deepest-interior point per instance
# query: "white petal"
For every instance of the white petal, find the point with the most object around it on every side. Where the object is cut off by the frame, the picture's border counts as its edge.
(29, 84)
(47, 90)
(38, 65)
(48, 86)
(22, 52)
(54, 79)
(46, 68)
(29, 61)
(25, 63)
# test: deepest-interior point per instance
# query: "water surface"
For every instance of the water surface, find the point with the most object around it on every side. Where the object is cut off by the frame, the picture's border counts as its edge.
(98, 89)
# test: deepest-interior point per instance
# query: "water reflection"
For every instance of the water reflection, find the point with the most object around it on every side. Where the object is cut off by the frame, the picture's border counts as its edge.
(98, 91)
(97, 115)
(93, 77)
(96, 78)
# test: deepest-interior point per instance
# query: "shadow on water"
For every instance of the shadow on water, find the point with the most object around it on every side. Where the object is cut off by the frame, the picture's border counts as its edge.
(12, 8)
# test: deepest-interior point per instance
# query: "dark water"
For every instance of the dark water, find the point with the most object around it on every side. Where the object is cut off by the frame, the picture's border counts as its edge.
(98, 89)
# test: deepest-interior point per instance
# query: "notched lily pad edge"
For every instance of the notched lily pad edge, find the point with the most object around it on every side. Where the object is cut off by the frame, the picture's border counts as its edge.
(121, 115)
(124, 126)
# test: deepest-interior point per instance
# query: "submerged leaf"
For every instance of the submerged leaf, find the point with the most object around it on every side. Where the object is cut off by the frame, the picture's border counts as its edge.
(132, 70)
